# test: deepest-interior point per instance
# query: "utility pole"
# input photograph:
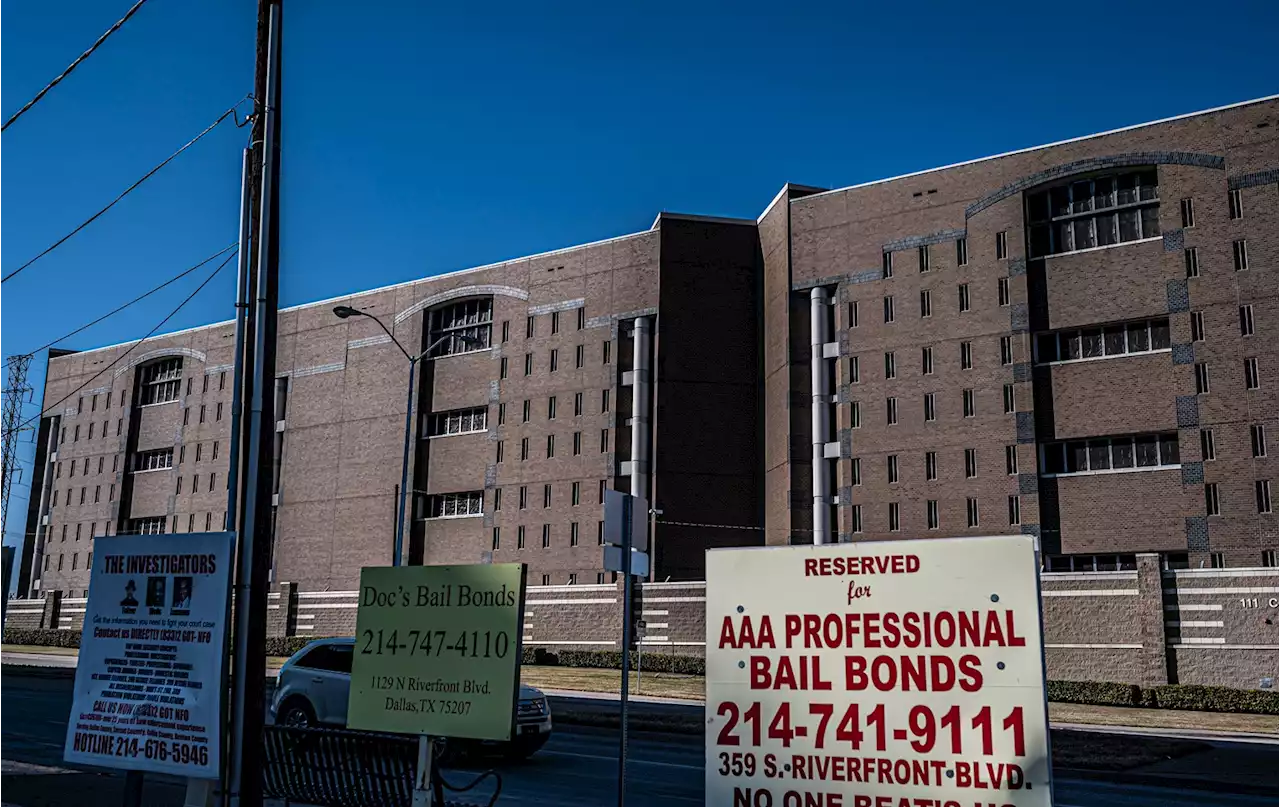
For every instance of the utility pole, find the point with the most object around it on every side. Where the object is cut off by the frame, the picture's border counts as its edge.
(256, 437)
(16, 393)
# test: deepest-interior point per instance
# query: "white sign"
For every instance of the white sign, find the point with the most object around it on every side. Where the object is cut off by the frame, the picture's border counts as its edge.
(150, 673)
(615, 516)
(877, 674)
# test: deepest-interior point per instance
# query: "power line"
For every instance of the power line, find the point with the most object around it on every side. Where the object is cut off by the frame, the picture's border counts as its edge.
(150, 333)
(139, 298)
(74, 64)
(230, 112)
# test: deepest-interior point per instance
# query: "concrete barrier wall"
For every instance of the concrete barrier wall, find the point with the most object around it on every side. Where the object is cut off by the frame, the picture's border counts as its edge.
(1145, 626)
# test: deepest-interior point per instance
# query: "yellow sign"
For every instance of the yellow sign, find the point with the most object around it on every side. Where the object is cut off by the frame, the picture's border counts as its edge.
(438, 650)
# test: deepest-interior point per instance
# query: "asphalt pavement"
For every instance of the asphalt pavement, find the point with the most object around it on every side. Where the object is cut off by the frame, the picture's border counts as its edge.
(577, 768)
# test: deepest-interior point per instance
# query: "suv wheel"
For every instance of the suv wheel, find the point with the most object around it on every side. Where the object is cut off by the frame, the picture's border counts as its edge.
(297, 713)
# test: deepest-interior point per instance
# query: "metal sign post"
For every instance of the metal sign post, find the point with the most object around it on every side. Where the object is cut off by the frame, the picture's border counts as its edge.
(422, 777)
(640, 631)
(627, 585)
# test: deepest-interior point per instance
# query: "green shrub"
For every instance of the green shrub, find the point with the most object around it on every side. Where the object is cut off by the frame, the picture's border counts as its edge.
(42, 637)
(287, 645)
(1197, 698)
(612, 660)
(1098, 693)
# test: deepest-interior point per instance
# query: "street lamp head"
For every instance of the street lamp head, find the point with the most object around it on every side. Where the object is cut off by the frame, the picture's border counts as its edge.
(344, 311)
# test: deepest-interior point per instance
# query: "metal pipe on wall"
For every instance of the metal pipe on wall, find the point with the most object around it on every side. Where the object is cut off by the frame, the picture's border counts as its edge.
(820, 387)
(640, 409)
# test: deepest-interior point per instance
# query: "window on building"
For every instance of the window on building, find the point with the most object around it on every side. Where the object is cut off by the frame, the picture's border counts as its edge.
(1258, 438)
(1011, 460)
(1002, 291)
(1235, 204)
(551, 408)
(577, 404)
(1188, 213)
(91, 425)
(155, 460)
(575, 492)
(470, 321)
(1262, 492)
(604, 400)
(502, 414)
(526, 411)
(555, 322)
(551, 446)
(546, 496)
(528, 326)
(528, 364)
(573, 538)
(604, 441)
(178, 489)
(1251, 373)
(1143, 336)
(75, 437)
(1096, 212)
(924, 258)
(147, 526)
(855, 518)
(855, 370)
(886, 265)
(1212, 506)
(1103, 454)
(888, 308)
(967, 399)
(600, 533)
(931, 514)
(891, 411)
(555, 359)
(962, 251)
(966, 355)
(970, 463)
(1240, 254)
(498, 452)
(1191, 258)
(1270, 557)
(891, 463)
(520, 537)
(497, 499)
(608, 350)
(1202, 378)
(1002, 244)
(457, 421)
(524, 497)
(577, 443)
(202, 413)
(895, 523)
(524, 448)
(582, 318)
(1246, 320)
(890, 365)
(161, 381)
(1197, 326)
(971, 512)
(111, 493)
(931, 466)
(930, 409)
(926, 360)
(1006, 350)
(1208, 451)
(855, 471)
(546, 541)
(964, 297)
(506, 330)
(502, 367)
(452, 505)
(855, 415)
(853, 314)
(926, 303)
(579, 355)
(1015, 510)
(497, 531)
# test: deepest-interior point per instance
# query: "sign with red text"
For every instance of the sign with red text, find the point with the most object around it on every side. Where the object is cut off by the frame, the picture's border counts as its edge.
(876, 674)
(149, 680)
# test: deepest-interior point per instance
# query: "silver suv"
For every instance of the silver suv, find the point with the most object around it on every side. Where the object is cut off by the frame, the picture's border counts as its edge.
(314, 684)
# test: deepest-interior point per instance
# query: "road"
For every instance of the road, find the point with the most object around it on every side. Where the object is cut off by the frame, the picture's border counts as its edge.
(577, 768)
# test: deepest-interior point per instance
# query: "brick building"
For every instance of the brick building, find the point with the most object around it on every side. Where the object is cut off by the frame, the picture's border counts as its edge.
(1075, 341)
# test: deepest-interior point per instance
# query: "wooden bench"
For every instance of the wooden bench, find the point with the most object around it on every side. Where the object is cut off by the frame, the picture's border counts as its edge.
(341, 768)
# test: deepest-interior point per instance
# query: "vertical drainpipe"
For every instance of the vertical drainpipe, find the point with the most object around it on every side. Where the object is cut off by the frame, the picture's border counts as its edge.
(42, 511)
(640, 409)
(819, 335)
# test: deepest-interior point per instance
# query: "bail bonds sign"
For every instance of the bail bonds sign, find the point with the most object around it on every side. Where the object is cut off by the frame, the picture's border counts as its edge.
(877, 674)
(438, 650)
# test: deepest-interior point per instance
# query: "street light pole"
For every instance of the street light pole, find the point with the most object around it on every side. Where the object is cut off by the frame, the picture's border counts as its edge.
(343, 312)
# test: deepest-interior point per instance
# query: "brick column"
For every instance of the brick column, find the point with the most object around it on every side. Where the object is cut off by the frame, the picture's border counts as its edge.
(1150, 615)
(52, 610)
(282, 611)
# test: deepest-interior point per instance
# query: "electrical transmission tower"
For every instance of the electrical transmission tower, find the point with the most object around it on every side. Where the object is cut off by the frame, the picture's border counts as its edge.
(16, 393)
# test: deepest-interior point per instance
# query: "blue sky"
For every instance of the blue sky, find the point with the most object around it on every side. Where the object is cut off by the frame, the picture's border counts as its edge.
(420, 139)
